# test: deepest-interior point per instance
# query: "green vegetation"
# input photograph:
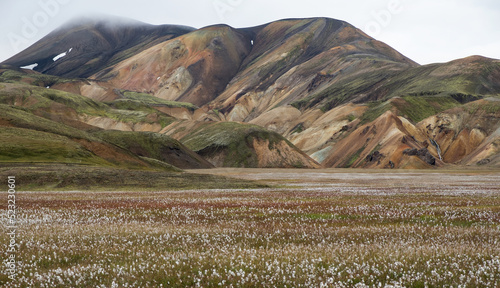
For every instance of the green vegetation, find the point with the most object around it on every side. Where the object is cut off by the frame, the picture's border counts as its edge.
(439, 78)
(60, 177)
(341, 92)
(155, 147)
(36, 139)
(225, 134)
(34, 99)
(150, 100)
(490, 107)
(36, 79)
(216, 112)
(299, 25)
(302, 103)
(377, 148)
(349, 230)
(298, 128)
(417, 82)
(39, 140)
(80, 104)
(22, 118)
(149, 141)
(272, 71)
(179, 129)
(375, 110)
(353, 158)
(351, 117)
(135, 112)
(235, 140)
(24, 145)
(417, 109)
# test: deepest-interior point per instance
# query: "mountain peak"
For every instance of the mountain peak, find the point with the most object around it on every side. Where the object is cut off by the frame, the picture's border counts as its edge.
(475, 58)
(333, 91)
(95, 42)
(85, 20)
(111, 21)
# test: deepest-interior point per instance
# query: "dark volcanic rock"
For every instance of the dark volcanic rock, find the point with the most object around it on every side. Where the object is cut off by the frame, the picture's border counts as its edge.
(423, 154)
(391, 165)
(484, 162)
(410, 152)
(374, 157)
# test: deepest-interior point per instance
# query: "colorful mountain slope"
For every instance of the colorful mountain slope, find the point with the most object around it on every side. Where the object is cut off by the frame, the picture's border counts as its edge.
(85, 45)
(253, 97)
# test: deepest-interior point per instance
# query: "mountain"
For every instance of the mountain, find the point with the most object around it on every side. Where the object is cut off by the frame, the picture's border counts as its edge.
(89, 44)
(296, 59)
(40, 125)
(229, 144)
(291, 93)
(194, 68)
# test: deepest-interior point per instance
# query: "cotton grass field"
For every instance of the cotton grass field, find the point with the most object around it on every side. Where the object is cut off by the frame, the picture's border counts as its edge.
(313, 228)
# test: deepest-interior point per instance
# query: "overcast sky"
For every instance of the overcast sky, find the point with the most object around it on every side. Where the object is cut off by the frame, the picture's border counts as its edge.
(427, 31)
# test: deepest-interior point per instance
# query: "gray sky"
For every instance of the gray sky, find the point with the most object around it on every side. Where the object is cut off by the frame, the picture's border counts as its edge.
(427, 31)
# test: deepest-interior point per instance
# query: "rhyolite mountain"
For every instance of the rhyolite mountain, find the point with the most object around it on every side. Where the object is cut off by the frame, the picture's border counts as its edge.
(91, 44)
(314, 92)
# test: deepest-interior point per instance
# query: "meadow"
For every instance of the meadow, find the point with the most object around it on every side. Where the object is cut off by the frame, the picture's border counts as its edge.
(310, 228)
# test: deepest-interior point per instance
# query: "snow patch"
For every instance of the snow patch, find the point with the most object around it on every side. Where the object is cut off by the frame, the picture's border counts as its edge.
(59, 56)
(30, 67)
(158, 78)
(62, 55)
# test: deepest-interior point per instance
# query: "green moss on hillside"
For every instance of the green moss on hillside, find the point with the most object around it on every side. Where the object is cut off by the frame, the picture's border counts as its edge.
(36, 79)
(342, 92)
(155, 146)
(23, 118)
(353, 158)
(417, 109)
(24, 145)
(490, 107)
(36, 99)
(413, 107)
(375, 110)
(36, 139)
(223, 134)
(235, 140)
(150, 100)
(380, 84)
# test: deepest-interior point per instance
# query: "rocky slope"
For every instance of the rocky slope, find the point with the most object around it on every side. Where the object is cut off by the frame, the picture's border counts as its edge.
(193, 68)
(83, 46)
(313, 88)
(296, 60)
(230, 144)
(40, 125)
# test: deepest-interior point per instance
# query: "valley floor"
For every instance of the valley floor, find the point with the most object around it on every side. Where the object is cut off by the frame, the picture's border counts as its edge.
(312, 228)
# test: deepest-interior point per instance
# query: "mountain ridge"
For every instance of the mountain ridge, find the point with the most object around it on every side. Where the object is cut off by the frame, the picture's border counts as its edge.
(93, 39)
(338, 96)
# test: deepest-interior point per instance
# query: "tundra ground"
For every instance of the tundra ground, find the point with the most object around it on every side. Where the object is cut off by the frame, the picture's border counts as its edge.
(312, 228)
